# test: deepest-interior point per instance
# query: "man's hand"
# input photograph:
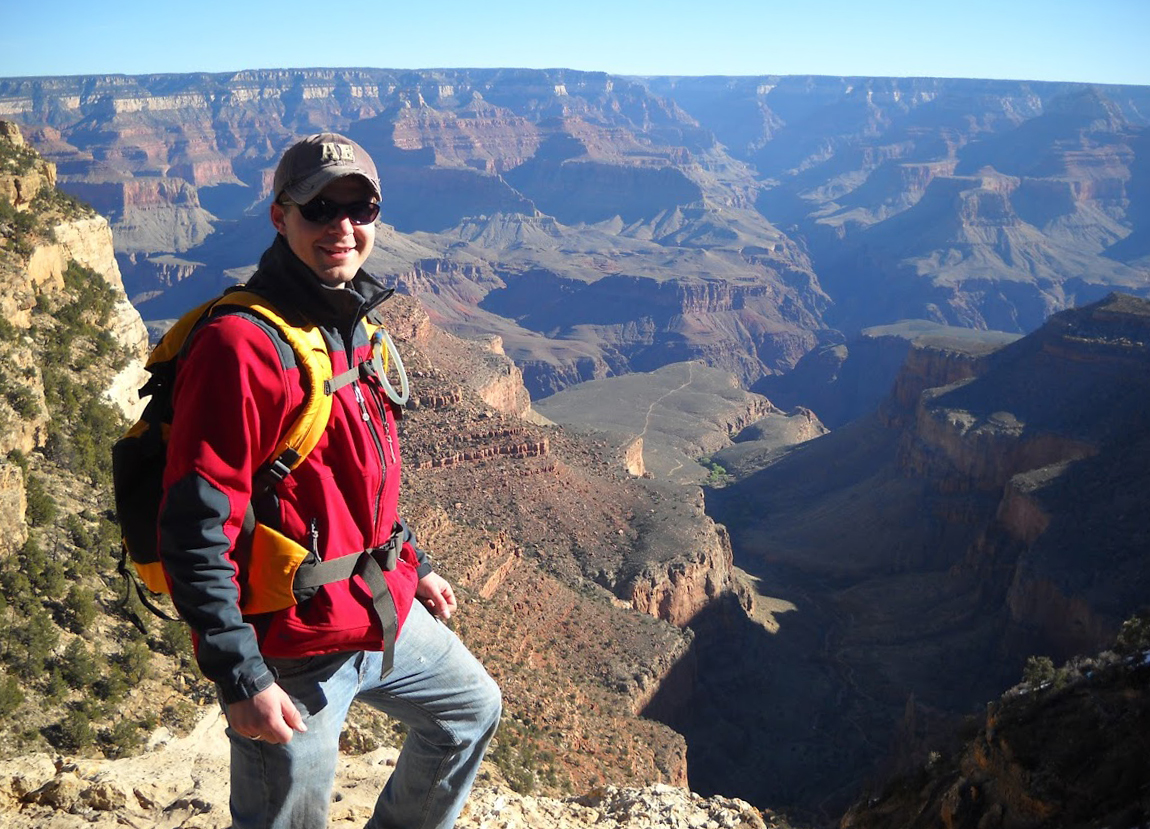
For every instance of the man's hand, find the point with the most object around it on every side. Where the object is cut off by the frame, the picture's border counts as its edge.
(437, 596)
(270, 716)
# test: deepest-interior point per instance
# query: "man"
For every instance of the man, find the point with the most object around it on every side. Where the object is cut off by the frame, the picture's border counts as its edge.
(287, 678)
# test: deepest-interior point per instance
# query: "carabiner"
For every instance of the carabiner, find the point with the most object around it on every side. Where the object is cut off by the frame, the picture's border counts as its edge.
(383, 350)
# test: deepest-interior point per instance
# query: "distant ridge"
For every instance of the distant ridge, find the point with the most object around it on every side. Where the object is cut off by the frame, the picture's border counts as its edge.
(643, 221)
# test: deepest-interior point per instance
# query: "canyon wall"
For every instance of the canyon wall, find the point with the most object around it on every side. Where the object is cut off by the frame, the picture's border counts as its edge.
(737, 221)
(933, 546)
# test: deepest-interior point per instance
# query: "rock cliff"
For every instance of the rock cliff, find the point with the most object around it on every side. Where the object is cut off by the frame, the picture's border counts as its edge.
(1057, 750)
(41, 239)
(842, 381)
(936, 544)
(23, 177)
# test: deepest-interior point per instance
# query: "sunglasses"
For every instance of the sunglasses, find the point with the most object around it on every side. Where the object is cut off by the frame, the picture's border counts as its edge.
(322, 211)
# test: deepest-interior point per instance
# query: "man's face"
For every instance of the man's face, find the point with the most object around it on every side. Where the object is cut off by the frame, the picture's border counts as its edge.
(335, 250)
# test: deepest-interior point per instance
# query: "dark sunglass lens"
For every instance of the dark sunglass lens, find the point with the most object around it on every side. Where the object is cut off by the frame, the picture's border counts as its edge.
(319, 211)
(362, 212)
(322, 211)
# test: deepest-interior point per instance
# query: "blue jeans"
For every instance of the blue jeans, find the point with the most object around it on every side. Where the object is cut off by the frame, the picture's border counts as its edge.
(437, 688)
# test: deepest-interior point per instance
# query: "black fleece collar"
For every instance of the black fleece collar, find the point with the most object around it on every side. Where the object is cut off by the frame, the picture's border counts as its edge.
(288, 282)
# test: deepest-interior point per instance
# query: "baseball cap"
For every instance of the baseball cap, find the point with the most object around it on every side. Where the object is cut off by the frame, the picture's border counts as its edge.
(312, 164)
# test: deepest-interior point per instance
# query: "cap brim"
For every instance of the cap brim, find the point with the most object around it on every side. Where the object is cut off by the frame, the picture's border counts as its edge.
(301, 192)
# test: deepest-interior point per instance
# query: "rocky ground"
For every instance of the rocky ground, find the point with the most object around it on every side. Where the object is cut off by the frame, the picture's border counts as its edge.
(182, 782)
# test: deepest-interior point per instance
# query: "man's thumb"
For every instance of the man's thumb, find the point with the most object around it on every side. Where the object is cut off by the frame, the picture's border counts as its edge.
(293, 718)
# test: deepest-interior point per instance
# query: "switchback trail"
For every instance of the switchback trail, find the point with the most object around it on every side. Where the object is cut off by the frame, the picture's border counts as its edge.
(660, 399)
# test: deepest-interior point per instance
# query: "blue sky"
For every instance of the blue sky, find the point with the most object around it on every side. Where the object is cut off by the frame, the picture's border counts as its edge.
(1104, 41)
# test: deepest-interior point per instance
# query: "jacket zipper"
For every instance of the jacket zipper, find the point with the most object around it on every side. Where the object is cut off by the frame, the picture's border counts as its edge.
(381, 407)
(379, 451)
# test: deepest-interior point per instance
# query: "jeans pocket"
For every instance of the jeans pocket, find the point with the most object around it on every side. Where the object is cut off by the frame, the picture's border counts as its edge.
(286, 668)
(307, 669)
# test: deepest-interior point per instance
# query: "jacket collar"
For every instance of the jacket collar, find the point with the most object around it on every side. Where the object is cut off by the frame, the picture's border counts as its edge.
(289, 283)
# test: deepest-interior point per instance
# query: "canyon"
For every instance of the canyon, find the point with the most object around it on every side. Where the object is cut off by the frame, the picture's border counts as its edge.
(838, 305)
(600, 225)
(929, 548)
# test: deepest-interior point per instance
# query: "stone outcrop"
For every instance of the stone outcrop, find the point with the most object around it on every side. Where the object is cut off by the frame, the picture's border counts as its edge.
(19, 184)
(924, 368)
(962, 450)
(633, 458)
(88, 242)
(26, 422)
(679, 592)
(13, 505)
(528, 449)
(843, 381)
(482, 366)
(1056, 752)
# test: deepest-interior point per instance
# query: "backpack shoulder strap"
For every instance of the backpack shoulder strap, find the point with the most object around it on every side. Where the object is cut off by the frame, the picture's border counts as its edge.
(311, 350)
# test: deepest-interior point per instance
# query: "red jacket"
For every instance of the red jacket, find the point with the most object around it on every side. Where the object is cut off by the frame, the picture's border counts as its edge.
(238, 389)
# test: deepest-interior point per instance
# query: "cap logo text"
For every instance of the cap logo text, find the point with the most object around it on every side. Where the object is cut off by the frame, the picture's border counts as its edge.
(337, 153)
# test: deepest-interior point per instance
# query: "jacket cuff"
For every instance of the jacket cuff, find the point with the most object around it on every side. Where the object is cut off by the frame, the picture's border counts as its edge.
(407, 536)
(245, 688)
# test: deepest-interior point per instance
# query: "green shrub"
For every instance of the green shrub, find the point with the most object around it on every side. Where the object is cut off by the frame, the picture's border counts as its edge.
(18, 590)
(176, 640)
(135, 660)
(20, 225)
(33, 643)
(11, 694)
(53, 199)
(33, 559)
(17, 158)
(83, 427)
(80, 604)
(21, 399)
(55, 686)
(716, 472)
(91, 303)
(75, 732)
(122, 740)
(1134, 637)
(49, 579)
(112, 686)
(1038, 671)
(41, 508)
(79, 667)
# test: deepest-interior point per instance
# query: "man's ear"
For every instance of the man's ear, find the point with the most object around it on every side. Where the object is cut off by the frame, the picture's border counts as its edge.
(277, 214)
